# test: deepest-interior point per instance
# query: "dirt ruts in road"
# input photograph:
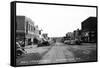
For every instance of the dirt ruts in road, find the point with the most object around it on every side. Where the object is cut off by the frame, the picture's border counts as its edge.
(58, 53)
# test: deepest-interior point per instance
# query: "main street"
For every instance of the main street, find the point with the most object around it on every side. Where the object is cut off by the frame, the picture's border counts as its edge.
(59, 52)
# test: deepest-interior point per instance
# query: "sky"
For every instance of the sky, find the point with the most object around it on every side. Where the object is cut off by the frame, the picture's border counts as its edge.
(54, 19)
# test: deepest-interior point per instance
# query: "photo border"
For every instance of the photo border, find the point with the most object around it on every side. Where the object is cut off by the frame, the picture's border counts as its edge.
(13, 31)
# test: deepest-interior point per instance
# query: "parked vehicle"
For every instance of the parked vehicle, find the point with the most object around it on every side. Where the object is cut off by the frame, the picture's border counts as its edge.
(19, 50)
(67, 41)
(78, 42)
(72, 42)
(45, 43)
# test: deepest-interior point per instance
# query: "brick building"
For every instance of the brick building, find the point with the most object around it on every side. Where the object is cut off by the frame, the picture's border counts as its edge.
(26, 30)
(89, 29)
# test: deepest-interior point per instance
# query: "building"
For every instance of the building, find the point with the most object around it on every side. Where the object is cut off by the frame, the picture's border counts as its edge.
(26, 30)
(70, 35)
(77, 34)
(89, 29)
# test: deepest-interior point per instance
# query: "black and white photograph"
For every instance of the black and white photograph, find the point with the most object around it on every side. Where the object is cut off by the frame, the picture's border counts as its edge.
(52, 34)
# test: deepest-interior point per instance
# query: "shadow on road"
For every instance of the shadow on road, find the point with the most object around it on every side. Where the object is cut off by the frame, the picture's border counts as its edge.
(27, 59)
(84, 53)
(31, 58)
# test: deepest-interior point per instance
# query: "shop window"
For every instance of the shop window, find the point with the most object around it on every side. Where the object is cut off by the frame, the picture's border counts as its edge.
(29, 42)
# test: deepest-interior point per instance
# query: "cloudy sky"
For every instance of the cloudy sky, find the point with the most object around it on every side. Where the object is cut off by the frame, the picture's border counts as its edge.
(55, 20)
